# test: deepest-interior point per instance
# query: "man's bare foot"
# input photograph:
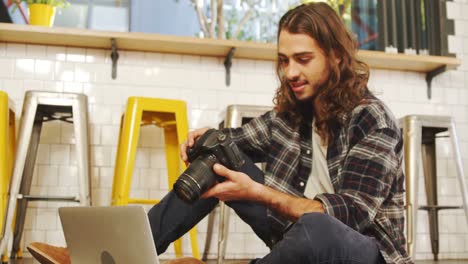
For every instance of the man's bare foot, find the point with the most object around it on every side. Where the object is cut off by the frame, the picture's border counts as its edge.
(47, 254)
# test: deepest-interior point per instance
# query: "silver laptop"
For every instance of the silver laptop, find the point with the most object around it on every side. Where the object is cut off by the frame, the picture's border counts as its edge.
(108, 235)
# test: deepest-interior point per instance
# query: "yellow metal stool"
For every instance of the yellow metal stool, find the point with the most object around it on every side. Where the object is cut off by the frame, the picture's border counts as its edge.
(7, 153)
(171, 115)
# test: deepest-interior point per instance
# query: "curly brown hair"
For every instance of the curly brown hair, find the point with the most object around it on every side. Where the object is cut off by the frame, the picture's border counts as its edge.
(347, 83)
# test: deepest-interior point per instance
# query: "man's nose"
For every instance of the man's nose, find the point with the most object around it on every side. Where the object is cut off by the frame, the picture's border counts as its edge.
(292, 71)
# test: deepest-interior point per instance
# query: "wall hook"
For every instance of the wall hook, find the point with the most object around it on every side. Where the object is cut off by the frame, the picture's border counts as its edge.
(228, 64)
(114, 56)
(430, 75)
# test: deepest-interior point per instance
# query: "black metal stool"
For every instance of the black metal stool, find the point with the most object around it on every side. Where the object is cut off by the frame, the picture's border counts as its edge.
(235, 116)
(419, 132)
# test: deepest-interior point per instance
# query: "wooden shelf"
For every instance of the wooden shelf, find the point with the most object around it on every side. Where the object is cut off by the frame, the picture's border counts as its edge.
(14, 33)
(404, 62)
(133, 41)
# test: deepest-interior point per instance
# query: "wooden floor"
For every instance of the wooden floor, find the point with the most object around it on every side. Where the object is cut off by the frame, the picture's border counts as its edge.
(30, 261)
(465, 261)
(442, 261)
(417, 262)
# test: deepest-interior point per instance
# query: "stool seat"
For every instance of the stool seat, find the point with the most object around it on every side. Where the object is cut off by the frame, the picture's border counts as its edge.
(419, 136)
(171, 115)
(40, 107)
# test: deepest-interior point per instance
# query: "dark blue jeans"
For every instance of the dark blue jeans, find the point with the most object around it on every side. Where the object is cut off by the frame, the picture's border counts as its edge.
(314, 238)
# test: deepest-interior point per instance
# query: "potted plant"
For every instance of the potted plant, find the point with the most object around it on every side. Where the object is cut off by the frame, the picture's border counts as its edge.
(42, 12)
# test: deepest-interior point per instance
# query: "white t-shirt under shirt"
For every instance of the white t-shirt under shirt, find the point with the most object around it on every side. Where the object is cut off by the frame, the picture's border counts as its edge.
(319, 178)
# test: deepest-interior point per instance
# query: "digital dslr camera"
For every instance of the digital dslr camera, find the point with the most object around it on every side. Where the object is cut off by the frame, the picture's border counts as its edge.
(212, 147)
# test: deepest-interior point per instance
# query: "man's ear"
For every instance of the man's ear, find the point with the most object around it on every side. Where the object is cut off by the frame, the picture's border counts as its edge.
(337, 56)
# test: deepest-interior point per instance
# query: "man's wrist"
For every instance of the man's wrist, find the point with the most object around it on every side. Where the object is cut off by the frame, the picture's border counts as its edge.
(256, 191)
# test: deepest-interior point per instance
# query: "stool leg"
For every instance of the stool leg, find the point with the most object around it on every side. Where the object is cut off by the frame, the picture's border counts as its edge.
(11, 155)
(126, 151)
(412, 147)
(4, 155)
(209, 235)
(12, 138)
(222, 231)
(25, 187)
(25, 131)
(5, 160)
(194, 242)
(80, 125)
(11, 146)
(458, 160)
(176, 140)
(430, 177)
(174, 169)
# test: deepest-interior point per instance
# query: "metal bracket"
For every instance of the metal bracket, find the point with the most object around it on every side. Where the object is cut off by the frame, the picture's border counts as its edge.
(430, 75)
(114, 56)
(228, 64)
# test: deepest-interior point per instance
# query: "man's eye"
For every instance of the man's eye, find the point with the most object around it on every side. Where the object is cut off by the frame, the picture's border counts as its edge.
(303, 60)
(283, 61)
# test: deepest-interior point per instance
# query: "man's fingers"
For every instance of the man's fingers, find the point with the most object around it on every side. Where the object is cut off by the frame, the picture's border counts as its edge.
(192, 137)
(190, 140)
(212, 191)
(183, 151)
(223, 171)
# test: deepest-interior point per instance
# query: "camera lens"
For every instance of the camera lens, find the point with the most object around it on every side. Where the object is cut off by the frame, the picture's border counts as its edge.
(196, 179)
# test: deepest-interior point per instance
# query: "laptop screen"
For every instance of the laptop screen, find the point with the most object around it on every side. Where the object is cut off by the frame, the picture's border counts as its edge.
(106, 235)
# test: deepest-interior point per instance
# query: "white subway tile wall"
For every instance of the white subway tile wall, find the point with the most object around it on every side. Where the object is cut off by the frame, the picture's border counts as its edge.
(200, 81)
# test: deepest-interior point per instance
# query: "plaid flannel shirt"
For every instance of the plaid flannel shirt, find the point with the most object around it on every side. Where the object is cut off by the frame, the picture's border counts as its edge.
(364, 162)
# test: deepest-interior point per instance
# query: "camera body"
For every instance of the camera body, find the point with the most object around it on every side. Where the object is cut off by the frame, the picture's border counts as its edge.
(212, 147)
(213, 142)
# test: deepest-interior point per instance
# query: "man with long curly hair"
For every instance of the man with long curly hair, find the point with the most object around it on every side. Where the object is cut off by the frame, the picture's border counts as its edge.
(332, 191)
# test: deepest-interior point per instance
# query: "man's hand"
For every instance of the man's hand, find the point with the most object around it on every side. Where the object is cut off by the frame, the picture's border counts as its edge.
(237, 186)
(191, 138)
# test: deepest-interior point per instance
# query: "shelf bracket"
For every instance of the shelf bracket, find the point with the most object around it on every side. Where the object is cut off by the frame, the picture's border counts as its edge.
(114, 56)
(430, 75)
(228, 64)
